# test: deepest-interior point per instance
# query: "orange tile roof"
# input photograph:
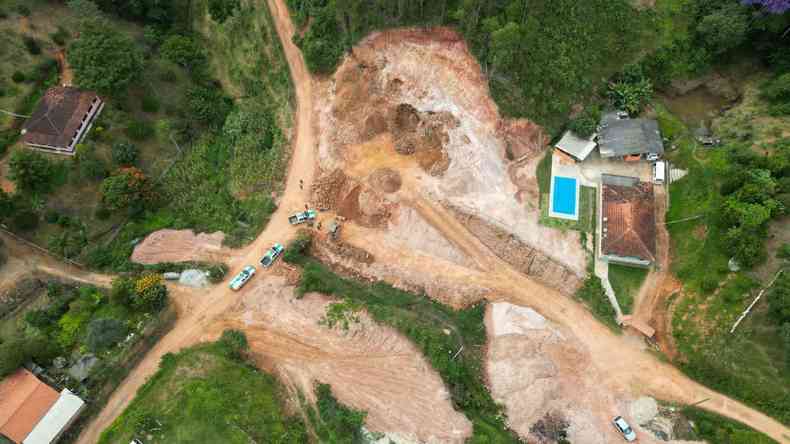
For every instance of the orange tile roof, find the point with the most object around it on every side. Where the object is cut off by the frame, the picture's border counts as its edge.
(24, 400)
(630, 221)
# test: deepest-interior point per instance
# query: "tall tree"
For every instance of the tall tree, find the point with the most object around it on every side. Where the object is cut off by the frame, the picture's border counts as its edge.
(104, 59)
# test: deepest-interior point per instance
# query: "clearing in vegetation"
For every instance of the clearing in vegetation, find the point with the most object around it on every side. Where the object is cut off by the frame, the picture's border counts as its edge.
(211, 393)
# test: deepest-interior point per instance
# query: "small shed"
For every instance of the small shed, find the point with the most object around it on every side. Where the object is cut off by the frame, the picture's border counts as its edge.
(577, 147)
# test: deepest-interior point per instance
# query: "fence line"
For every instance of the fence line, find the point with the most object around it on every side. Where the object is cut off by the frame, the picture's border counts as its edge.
(749, 308)
(41, 249)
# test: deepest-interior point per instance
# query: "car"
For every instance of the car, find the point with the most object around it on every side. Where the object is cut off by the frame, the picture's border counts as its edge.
(271, 255)
(135, 441)
(240, 279)
(622, 426)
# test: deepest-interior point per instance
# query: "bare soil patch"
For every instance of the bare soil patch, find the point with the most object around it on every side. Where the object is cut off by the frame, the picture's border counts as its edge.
(181, 246)
(369, 367)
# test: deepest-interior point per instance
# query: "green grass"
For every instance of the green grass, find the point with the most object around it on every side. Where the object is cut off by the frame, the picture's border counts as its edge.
(424, 322)
(587, 204)
(718, 429)
(626, 282)
(594, 297)
(202, 395)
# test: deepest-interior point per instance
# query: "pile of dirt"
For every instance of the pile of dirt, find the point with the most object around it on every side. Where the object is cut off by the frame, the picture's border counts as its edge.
(327, 189)
(537, 370)
(523, 138)
(181, 246)
(370, 367)
(517, 253)
(385, 180)
(424, 134)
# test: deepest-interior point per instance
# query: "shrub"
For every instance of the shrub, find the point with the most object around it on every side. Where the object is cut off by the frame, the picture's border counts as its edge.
(234, 343)
(127, 187)
(586, 123)
(31, 171)
(168, 76)
(102, 213)
(139, 130)
(25, 220)
(103, 333)
(298, 249)
(779, 299)
(217, 272)
(208, 105)
(32, 45)
(709, 284)
(60, 36)
(150, 293)
(784, 251)
(124, 153)
(51, 216)
(23, 10)
(123, 288)
(89, 165)
(18, 77)
(183, 51)
(149, 103)
(220, 10)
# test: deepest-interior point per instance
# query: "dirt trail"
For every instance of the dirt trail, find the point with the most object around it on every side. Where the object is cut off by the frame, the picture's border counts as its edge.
(24, 259)
(617, 362)
(196, 319)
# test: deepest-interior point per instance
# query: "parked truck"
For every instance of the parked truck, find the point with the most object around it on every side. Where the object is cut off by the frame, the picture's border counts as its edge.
(300, 218)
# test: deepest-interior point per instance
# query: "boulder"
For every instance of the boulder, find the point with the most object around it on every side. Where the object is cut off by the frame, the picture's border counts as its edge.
(82, 367)
(194, 278)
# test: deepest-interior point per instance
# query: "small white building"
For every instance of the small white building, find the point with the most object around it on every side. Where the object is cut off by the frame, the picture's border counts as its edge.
(59, 417)
(577, 147)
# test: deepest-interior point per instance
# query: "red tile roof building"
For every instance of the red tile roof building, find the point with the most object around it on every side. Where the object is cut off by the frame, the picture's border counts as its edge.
(61, 119)
(628, 231)
(24, 400)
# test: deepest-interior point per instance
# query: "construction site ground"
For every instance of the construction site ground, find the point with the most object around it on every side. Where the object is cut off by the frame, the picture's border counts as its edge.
(438, 193)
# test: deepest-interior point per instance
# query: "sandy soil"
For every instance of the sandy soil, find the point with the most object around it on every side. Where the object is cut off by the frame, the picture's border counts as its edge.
(433, 73)
(369, 367)
(181, 246)
(611, 366)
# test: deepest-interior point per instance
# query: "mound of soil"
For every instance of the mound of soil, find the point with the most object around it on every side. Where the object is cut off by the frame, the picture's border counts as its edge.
(385, 180)
(180, 246)
(328, 187)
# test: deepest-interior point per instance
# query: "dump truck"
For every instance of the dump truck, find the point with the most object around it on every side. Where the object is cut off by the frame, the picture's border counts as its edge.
(271, 255)
(300, 218)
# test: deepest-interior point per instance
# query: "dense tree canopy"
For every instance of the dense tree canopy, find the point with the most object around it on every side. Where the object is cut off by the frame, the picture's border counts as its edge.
(126, 188)
(30, 170)
(104, 59)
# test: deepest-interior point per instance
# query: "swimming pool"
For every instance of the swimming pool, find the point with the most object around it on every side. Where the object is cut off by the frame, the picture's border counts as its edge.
(564, 197)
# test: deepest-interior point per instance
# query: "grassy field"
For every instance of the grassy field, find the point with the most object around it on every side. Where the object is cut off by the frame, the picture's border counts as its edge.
(626, 282)
(424, 322)
(202, 395)
(211, 393)
(748, 365)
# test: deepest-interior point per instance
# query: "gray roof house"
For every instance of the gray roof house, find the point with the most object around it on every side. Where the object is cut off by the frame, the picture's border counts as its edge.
(628, 137)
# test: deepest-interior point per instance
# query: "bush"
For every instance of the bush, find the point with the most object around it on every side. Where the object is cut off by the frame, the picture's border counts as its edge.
(18, 77)
(51, 216)
(709, 284)
(25, 220)
(124, 153)
(168, 76)
(779, 299)
(139, 130)
(60, 36)
(784, 251)
(220, 10)
(183, 51)
(149, 103)
(126, 188)
(32, 45)
(298, 249)
(31, 171)
(103, 333)
(23, 10)
(104, 59)
(150, 293)
(234, 343)
(89, 165)
(208, 105)
(216, 273)
(586, 123)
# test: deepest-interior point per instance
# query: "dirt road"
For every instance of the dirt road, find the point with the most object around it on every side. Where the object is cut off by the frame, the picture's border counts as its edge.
(617, 361)
(190, 326)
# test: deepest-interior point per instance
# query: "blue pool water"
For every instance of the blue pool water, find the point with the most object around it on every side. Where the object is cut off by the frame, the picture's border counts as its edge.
(564, 196)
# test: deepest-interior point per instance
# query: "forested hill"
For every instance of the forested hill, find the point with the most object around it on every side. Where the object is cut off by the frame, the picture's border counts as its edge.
(544, 56)
(540, 55)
